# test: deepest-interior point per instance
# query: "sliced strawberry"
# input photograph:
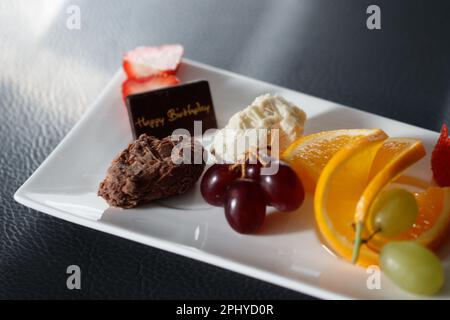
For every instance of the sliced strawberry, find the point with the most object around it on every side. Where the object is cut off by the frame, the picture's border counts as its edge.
(440, 159)
(134, 86)
(144, 62)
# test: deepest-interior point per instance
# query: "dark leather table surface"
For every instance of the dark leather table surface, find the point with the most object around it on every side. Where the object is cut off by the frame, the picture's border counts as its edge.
(49, 75)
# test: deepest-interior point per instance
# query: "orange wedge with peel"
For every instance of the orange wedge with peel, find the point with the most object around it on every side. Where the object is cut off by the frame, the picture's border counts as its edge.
(309, 154)
(339, 188)
(394, 156)
(349, 184)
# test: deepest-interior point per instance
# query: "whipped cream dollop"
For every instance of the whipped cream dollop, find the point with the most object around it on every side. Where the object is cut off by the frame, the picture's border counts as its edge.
(266, 112)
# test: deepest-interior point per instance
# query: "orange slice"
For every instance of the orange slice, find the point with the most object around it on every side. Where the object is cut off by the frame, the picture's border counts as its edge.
(394, 156)
(309, 154)
(350, 182)
(339, 188)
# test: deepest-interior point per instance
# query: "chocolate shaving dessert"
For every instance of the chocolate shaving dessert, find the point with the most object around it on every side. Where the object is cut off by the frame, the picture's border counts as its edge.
(144, 172)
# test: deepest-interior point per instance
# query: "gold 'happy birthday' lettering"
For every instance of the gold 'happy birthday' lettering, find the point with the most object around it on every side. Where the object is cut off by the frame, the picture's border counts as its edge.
(175, 113)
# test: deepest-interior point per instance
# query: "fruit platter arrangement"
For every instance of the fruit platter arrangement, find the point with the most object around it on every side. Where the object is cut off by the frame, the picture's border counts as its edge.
(368, 209)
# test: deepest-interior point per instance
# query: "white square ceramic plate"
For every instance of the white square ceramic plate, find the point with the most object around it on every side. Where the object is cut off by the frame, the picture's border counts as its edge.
(287, 252)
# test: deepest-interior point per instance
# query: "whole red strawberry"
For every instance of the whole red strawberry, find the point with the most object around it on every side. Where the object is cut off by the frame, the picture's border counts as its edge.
(440, 159)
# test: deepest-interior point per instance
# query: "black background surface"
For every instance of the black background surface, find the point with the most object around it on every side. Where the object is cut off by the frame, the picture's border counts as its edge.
(49, 76)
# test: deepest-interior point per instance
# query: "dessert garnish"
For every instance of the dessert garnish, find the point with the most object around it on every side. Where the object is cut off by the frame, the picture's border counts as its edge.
(393, 212)
(440, 159)
(151, 68)
(144, 62)
(412, 267)
(145, 171)
(160, 112)
(266, 112)
(245, 192)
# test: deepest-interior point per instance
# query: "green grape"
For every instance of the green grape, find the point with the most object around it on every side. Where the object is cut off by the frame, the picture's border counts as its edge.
(412, 267)
(394, 212)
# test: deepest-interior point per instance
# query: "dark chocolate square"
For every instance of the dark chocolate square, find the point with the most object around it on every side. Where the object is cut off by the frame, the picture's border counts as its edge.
(158, 113)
